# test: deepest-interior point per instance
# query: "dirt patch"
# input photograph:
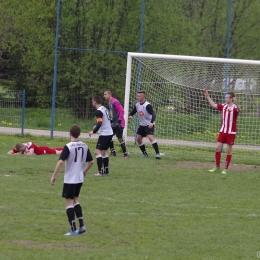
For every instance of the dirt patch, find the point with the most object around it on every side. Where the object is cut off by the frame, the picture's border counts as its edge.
(208, 165)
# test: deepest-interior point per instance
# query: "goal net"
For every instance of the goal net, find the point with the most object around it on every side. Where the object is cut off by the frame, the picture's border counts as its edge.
(185, 119)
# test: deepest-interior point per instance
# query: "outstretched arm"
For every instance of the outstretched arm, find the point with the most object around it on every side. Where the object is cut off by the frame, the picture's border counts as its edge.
(11, 152)
(211, 102)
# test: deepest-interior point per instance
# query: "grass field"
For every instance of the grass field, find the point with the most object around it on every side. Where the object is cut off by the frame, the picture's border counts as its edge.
(145, 209)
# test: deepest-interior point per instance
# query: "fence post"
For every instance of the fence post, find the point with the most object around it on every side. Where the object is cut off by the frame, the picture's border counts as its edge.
(55, 69)
(23, 112)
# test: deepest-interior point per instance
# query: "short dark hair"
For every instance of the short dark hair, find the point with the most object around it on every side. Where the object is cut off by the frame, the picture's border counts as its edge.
(97, 99)
(18, 146)
(141, 92)
(231, 94)
(75, 131)
(109, 90)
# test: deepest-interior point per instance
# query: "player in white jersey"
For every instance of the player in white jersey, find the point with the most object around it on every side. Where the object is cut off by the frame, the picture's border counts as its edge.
(147, 120)
(103, 127)
(75, 154)
(227, 133)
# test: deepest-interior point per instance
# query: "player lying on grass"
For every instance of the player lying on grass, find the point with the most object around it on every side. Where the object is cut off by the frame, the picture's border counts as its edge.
(30, 148)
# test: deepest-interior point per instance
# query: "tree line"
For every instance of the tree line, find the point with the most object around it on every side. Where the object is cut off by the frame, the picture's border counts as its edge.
(89, 27)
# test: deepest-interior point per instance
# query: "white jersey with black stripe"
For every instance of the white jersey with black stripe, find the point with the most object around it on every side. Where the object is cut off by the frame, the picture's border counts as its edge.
(75, 162)
(105, 128)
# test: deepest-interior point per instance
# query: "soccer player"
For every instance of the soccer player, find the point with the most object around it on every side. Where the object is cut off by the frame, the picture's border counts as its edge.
(31, 148)
(227, 133)
(76, 154)
(117, 122)
(103, 127)
(147, 120)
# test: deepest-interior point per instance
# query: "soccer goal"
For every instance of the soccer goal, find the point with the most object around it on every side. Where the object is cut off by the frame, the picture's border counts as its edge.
(174, 87)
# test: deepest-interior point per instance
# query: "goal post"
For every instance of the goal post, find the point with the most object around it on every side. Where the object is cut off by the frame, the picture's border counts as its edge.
(174, 85)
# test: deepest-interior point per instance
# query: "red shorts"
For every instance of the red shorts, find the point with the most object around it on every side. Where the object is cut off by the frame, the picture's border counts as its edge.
(226, 138)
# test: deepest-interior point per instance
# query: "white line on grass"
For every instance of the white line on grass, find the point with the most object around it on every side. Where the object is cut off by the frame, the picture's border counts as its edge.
(154, 203)
(158, 214)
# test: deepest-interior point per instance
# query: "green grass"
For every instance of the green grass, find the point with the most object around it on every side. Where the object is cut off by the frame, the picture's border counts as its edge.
(146, 209)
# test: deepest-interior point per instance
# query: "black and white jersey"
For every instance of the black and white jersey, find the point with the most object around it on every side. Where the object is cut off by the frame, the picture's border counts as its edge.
(75, 154)
(144, 113)
(105, 128)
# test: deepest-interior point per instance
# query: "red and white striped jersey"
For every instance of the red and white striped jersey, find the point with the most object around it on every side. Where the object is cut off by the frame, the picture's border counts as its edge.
(229, 118)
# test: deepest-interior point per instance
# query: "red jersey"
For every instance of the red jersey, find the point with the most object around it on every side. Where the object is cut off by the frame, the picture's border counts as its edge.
(29, 145)
(38, 150)
(229, 118)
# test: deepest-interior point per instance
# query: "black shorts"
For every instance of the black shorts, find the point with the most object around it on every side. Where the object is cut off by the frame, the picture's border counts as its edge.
(71, 190)
(103, 142)
(145, 130)
(118, 132)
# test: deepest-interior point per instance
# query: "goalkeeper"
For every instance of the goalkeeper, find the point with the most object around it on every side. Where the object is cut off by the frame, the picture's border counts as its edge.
(117, 122)
(147, 120)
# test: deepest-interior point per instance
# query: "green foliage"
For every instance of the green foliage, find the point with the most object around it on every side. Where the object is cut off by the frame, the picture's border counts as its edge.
(154, 211)
(27, 36)
(89, 28)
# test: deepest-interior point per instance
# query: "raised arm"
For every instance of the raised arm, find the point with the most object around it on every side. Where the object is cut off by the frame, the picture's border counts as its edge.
(235, 102)
(211, 102)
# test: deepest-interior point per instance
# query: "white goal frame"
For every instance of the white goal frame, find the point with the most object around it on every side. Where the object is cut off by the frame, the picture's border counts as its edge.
(132, 55)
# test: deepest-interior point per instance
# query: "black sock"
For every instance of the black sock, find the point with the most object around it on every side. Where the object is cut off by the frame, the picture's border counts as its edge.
(123, 147)
(99, 163)
(111, 145)
(156, 148)
(78, 212)
(142, 148)
(71, 218)
(105, 163)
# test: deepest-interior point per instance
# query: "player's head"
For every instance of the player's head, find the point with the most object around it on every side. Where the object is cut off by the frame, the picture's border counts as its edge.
(108, 94)
(75, 131)
(20, 147)
(229, 97)
(141, 96)
(96, 101)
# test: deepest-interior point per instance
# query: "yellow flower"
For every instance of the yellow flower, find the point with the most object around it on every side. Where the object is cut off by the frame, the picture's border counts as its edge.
(10, 123)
